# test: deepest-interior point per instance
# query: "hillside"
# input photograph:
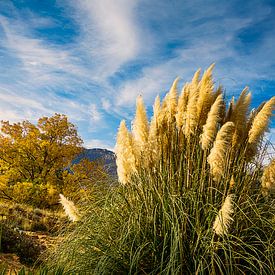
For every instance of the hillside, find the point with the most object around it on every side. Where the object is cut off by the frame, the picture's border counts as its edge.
(108, 157)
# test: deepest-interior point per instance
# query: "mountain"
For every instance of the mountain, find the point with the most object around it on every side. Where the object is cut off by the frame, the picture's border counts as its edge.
(108, 157)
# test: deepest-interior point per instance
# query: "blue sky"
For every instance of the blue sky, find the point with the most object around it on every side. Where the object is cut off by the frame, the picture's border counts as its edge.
(90, 59)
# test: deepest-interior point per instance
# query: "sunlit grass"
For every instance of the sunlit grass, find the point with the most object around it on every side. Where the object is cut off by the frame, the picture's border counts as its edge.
(191, 198)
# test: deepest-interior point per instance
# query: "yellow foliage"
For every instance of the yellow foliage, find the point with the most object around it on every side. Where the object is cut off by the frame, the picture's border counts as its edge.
(33, 158)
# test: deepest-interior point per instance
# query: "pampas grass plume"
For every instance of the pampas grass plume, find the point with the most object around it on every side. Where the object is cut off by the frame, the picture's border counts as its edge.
(140, 125)
(261, 121)
(191, 118)
(69, 208)
(240, 116)
(217, 156)
(154, 125)
(172, 97)
(231, 108)
(196, 78)
(154, 131)
(268, 179)
(224, 217)
(210, 128)
(169, 105)
(206, 87)
(125, 157)
(182, 105)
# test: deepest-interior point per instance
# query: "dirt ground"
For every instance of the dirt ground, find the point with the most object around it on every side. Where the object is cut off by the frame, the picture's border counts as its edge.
(10, 262)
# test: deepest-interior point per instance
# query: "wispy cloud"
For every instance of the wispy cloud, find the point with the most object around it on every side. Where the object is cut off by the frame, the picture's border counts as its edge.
(40, 63)
(109, 34)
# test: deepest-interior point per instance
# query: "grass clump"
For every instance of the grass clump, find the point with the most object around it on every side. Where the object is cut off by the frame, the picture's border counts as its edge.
(191, 198)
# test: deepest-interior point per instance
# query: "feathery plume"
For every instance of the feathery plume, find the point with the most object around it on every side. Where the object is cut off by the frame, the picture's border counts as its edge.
(224, 217)
(155, 119)
(182, 106)
(206, 88)
(239, 117)
(140, 125)
(169, 106)
(196, 78)
(191, 116)
(125, 157)
(253, 113)
(217, 156)
(172, 97)
(210, 128)
(69, 208)
(252, 148)
(268, 179)
(154, 130)
(260, 122)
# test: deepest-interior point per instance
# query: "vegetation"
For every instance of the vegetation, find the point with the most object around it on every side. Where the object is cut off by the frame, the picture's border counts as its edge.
(35, 167)
(34, 158)
(193, 198)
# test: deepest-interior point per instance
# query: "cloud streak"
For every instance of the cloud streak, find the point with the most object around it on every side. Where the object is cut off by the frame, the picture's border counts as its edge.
(109, 34)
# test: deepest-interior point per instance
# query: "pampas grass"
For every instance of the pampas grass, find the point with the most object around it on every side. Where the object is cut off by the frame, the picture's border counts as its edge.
(170, 102)
(240, 117)
(140, 125)
(217, 156)
(173, 212)
(182, 105)
(268, 179)
(224, 217)
(211, 125)
(191, 116)
(206, 91)
(260, 122)
(126, 160)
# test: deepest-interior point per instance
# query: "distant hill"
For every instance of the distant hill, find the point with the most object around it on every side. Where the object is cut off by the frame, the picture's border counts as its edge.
(108, 157)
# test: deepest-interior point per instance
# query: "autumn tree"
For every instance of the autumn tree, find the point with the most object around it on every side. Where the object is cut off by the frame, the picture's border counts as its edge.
(85, 178)
(34, 157)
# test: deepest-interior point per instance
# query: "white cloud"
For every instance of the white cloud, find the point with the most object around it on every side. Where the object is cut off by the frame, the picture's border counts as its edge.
(109, 33)
(106, 104)
(41, 62)
(96, 116)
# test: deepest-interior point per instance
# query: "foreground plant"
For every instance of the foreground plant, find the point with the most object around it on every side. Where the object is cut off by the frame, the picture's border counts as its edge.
(69, 208)
(191, 199)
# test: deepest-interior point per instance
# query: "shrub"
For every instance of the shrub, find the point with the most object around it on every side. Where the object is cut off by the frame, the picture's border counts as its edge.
(190, 199)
